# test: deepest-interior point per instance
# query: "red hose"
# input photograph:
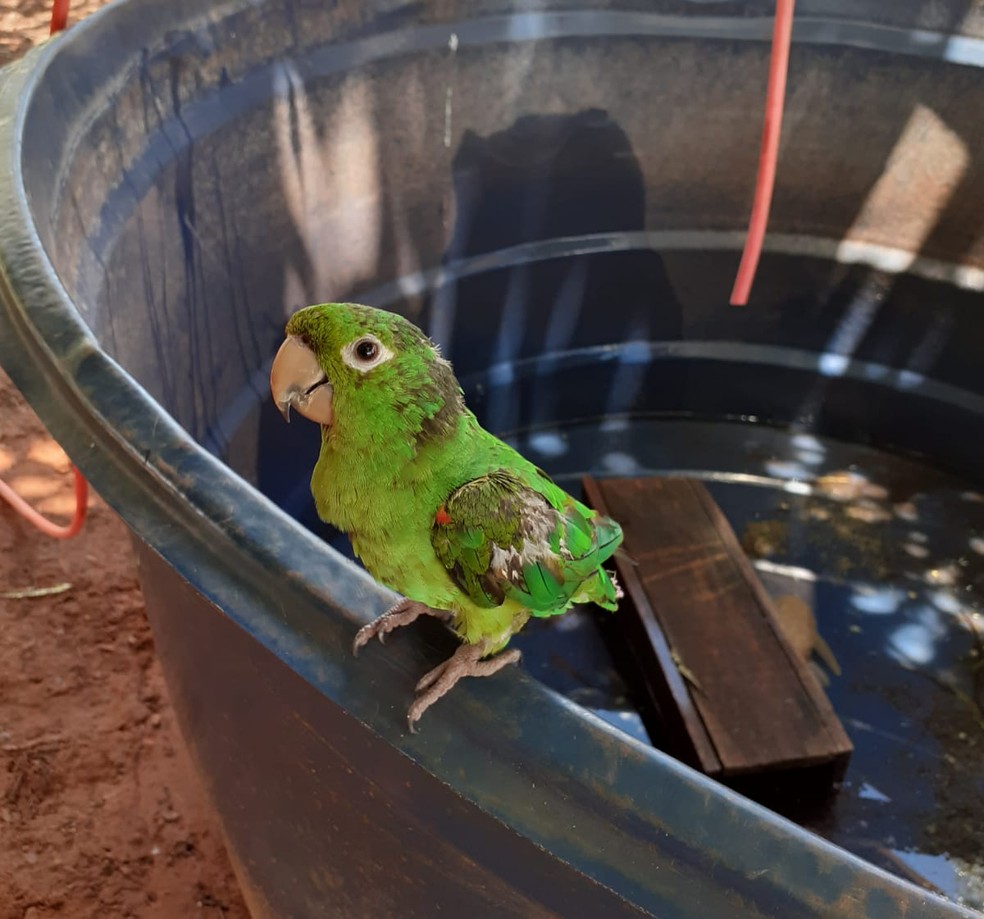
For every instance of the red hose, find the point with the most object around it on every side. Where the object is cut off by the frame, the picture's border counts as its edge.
(42, 523)
(59, 17)
(769, 153)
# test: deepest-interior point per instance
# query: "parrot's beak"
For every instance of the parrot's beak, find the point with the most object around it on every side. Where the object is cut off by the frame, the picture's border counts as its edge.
(296, 379)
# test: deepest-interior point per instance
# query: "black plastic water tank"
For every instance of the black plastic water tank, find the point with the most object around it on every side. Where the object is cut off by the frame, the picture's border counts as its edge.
(558, 192)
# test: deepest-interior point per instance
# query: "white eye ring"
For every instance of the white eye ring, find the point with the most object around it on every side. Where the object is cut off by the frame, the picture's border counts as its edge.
(359, 354)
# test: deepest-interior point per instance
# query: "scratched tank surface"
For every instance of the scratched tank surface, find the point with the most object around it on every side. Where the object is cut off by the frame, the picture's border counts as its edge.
(558, 193)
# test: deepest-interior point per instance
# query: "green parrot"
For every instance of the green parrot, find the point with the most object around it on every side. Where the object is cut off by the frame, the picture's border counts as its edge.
(437, 509)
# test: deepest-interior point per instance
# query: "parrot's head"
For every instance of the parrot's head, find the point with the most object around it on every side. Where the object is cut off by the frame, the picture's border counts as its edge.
(364, 374)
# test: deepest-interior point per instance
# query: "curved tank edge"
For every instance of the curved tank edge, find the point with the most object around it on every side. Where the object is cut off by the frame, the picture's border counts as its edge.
(50, 384)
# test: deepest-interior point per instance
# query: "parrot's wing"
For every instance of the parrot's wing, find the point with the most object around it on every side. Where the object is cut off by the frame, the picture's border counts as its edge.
(499, 538)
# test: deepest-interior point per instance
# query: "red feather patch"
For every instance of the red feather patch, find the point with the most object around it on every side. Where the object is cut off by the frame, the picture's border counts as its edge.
(442, 517)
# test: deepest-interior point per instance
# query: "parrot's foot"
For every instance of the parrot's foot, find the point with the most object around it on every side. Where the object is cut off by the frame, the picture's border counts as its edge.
(466, 661)
(405, 612)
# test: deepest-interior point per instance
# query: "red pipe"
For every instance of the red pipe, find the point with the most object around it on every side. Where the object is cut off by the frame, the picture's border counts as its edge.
(42, 523)
(59, 15)
(769, 153)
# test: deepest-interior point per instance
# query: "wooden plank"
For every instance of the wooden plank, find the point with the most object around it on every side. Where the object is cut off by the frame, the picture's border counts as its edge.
(733, 696)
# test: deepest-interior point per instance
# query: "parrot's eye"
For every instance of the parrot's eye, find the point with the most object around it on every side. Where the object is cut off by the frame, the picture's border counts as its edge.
(366, 349)
(365, 353)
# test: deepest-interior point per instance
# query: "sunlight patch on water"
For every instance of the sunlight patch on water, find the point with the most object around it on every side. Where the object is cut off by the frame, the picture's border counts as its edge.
(548, 443)
(914, 643)
(878, 601)
(620, 463)
(870, 793)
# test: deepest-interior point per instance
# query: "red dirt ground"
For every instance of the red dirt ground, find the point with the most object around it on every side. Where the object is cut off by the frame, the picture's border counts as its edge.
(101, 814)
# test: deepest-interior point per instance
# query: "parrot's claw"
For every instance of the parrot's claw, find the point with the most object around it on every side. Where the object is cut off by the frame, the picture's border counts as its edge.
(430, 678)
(405, 612)
(466, 661)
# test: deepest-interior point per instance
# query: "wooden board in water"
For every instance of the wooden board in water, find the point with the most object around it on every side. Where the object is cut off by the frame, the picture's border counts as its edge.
(699, 634)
